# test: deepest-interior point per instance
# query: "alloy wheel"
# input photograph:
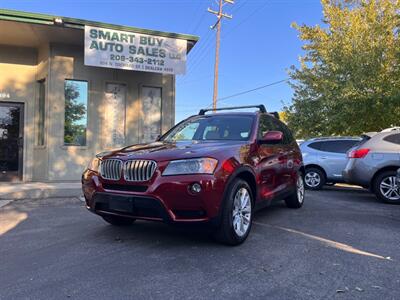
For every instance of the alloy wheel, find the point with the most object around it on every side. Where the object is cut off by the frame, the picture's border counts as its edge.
(241, 214)
(313, 179)
(389, 189)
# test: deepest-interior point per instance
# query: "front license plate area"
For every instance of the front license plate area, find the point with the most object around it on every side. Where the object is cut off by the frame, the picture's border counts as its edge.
(121, 205)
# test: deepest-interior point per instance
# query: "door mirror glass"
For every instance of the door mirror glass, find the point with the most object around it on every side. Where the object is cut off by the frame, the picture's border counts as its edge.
(272, 137)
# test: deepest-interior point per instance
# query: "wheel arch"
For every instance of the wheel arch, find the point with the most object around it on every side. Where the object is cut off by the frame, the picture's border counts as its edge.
(317, 167)
(380, 171)
(242, 172)
(249, 177)
(302, 170)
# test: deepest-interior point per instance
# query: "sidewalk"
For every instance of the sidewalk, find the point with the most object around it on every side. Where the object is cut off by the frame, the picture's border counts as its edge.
(38, 190)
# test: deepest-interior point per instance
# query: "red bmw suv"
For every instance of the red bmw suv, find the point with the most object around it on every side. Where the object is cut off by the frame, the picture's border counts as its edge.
(216, 168)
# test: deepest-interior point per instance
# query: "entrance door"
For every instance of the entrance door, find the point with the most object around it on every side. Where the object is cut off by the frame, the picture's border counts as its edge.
(11, 140)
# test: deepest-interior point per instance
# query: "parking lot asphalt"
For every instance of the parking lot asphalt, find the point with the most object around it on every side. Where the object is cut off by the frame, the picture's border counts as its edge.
(342, 244)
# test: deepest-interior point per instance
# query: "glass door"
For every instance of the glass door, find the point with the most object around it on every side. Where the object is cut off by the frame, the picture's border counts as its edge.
(11, 141)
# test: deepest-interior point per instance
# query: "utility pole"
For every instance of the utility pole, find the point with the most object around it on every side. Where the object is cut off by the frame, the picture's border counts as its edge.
(219, 15)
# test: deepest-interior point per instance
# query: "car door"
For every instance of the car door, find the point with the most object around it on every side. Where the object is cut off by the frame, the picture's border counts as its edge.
(270, 161)
(333, 158)
(289, 155)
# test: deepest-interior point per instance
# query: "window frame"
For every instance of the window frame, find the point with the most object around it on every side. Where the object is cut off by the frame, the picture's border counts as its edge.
(66, 146)
(40, 143)
(326, 143)
(279, 126)
(386, 138)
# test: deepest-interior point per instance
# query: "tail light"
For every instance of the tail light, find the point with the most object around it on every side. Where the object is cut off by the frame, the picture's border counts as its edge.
(359, 153)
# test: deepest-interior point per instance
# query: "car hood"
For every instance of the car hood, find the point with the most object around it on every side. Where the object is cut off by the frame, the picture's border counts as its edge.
(161, 151)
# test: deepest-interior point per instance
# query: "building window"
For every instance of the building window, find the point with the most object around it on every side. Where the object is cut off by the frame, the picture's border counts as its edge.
(75, 121)
(41, 113)
(114, 119)
(151, 107)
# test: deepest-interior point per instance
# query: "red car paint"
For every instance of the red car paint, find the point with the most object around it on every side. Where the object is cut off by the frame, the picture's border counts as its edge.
(271, 170)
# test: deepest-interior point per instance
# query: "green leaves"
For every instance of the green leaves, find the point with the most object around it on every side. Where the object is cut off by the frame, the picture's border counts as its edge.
(348, 81)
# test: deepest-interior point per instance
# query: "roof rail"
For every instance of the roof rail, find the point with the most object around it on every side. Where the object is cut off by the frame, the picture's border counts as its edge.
(261, 107)
(275, 114)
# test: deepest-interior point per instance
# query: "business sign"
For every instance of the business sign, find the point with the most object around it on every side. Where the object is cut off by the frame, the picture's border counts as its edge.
(133, 51)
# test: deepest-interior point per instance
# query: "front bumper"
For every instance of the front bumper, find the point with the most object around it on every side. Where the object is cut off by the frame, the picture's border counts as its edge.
(166, 199)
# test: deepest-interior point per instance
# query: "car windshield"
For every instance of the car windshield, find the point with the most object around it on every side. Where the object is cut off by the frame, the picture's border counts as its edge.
(209, 128)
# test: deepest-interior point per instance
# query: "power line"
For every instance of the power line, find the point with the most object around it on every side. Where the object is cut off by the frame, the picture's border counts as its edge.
(251, 90)
(255, 11)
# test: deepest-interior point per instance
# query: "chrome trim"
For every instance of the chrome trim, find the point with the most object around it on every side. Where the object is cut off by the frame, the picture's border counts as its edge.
(139, 169)
(111, 169)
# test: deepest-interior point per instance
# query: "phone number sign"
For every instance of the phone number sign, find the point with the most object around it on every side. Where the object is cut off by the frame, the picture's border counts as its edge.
(133, 51)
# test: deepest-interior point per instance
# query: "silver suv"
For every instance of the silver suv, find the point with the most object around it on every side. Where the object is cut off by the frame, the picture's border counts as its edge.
(373, 164)
(325, 159)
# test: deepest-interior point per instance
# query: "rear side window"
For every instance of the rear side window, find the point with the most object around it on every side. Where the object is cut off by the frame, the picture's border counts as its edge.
(393, 138)
(341, 146)
(317, 146)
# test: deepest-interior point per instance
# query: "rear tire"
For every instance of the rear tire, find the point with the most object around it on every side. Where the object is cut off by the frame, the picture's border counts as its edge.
(385, 187)
(314, 179)
(296, 200)
(118, 221)
(236, 215)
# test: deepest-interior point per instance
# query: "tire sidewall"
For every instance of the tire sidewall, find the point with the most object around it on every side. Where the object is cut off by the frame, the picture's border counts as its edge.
(293, 200)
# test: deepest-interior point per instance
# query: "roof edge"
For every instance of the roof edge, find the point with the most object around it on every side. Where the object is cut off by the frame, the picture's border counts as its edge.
(38, 18)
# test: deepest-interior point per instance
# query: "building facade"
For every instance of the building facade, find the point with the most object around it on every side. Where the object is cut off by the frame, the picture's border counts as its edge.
(71, 88)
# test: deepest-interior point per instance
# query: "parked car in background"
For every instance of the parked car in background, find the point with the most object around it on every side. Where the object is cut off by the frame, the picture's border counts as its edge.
(325, 159)
(390, 129)
(373, 164)
(215, 169)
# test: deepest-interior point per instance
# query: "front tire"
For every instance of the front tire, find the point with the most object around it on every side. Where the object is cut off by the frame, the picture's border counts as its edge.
(386, 189)
(237, 214)
(118, 221)
(314, 179)
(296, 200)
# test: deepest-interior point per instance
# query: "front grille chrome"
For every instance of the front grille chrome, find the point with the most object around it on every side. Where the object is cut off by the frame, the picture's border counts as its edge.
(111, 169)
(139, 170)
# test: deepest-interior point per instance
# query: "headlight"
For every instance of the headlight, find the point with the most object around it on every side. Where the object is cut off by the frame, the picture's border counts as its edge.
(191, 166)
(94, 165)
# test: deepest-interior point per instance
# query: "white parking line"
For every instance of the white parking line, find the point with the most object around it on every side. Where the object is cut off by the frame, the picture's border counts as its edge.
(4, 202)
(326, 242)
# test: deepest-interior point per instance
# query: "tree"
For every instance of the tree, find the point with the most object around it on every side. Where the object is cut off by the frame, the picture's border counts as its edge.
(348, 81)
(74, 133)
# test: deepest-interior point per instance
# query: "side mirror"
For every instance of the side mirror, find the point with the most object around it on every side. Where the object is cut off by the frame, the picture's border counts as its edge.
(272, 137)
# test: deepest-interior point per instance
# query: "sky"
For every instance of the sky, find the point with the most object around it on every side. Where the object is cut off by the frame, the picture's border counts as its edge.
(258, 45)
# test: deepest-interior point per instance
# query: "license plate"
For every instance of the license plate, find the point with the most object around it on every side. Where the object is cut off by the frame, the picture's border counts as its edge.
(122, 205)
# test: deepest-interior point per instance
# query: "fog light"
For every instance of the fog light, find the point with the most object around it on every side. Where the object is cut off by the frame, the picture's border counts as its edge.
(195, 188)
